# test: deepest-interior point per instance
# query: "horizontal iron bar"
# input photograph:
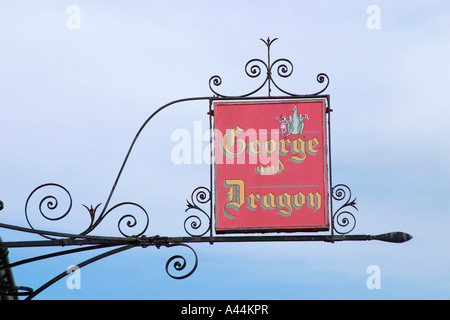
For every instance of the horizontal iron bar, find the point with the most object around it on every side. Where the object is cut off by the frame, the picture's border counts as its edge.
(69, 242)
(53, 233)
(396, 237)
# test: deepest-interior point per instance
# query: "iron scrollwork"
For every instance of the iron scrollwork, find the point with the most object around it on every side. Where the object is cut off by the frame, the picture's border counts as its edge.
(49, 204)
(49, 199)
(176, 265)
(126, 220)
(343, 220)
(196, 225)
(253, 69)
(192, 225)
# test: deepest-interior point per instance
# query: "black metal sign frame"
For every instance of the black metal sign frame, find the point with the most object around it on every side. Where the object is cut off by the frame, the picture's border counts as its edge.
(199, 222)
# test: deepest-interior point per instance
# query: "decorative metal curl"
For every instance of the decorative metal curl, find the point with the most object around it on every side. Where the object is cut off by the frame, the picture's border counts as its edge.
(343, 221)
(252, 69)
(127, 220)
(284, 68)
(179, 263)
(193, 223)
(52, 208)
(49, 204)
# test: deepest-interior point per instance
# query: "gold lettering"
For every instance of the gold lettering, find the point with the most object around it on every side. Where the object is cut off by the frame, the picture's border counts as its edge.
(270, 147)
(251, 200)
(314, 201)
(229, 141)
(284, 203)
(311, 145)
(235, 196)
(283, 144)
(233, 143)
(268, 201)
(253, 147)
(299, 200)
(270, 170)
(298, 148)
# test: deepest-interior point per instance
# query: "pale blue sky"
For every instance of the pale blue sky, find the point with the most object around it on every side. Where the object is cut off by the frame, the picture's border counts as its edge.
(71, 102)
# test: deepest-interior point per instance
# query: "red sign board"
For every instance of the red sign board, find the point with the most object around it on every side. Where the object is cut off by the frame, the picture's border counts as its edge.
(271, 165)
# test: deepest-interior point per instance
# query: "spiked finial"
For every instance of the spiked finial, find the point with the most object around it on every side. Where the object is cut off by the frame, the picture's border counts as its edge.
(92, 210)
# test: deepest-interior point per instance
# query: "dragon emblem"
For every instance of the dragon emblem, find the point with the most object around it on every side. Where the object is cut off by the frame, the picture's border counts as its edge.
(294, 125)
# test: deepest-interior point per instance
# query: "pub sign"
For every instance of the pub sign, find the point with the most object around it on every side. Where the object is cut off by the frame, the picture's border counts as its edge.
(271, 171)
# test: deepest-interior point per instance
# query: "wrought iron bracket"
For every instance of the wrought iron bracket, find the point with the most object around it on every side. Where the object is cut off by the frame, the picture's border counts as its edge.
(53, 202)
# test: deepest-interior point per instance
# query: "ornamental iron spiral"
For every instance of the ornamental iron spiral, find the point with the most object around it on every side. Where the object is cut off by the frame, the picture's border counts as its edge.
(254, 67)
(193, 224)
(53, 202)
(47, 199)
(343, 220)
(176, 265)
